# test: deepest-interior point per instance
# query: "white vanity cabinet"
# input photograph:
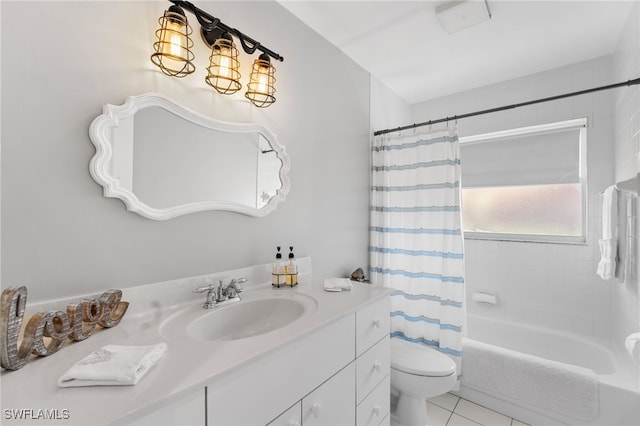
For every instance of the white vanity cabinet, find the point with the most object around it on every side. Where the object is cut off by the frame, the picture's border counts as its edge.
(362, 388)
(335, 375)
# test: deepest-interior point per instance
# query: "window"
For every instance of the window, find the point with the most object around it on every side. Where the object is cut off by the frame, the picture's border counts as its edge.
(526, 184)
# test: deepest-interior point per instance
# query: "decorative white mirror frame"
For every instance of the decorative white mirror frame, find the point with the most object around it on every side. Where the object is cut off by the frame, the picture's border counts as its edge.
(101, 133)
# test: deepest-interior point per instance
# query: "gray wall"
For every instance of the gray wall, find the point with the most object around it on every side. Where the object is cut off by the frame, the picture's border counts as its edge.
(62, 60)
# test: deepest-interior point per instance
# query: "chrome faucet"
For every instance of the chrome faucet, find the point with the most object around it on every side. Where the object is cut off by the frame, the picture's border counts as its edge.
(221, 294)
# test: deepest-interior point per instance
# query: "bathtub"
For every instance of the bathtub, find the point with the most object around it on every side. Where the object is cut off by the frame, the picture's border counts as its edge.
(546, 377)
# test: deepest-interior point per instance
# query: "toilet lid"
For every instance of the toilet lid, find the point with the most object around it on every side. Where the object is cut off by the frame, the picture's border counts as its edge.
(420, 360)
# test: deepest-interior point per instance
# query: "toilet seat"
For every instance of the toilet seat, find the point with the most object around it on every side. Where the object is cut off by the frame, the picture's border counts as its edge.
(420, 360)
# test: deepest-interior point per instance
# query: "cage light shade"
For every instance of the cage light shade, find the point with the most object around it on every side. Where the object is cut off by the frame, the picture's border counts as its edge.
(172, 49)
(261, 87)
(223, 71)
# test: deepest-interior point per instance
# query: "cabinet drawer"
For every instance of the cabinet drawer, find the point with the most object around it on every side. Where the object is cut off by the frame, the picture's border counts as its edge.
(374, 410)
(333, 403)
(372, 324)
(372, 367)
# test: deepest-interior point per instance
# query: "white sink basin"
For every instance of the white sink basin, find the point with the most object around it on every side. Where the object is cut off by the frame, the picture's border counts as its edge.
(246, 318)
(254, 315)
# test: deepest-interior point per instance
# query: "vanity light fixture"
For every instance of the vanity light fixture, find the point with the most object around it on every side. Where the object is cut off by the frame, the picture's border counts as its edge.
(173, 55)
(172, 49)
(223, 71)
(261, 86)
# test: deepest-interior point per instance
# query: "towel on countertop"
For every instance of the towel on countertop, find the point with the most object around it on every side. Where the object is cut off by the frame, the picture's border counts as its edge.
(113, 365)
(337, 284)
(609, 242)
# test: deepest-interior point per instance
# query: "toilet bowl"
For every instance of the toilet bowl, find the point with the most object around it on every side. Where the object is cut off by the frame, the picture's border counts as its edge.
(418, 373)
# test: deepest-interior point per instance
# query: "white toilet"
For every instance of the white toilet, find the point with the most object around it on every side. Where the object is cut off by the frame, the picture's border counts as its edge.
(418, 373)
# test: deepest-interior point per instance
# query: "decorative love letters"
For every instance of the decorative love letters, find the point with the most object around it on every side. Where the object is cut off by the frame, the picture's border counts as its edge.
(76, 324)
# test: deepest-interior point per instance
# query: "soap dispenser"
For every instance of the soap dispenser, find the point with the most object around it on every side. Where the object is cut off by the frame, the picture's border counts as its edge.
(291, 269)
(277, 273)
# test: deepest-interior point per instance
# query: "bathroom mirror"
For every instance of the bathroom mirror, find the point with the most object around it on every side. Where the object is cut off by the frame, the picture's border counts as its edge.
(164, 160)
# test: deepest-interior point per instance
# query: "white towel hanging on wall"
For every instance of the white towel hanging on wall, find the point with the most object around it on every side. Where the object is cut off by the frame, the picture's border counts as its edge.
(627, 240)
(609, 241)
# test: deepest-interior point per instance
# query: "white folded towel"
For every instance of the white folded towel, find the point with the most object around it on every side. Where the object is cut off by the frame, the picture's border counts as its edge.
(607, 265)
(113, 365)
(337, 284)
(609, 242)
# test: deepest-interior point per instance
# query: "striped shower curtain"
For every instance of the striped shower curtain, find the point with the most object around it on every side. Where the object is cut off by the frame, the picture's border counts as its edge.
(416, 243)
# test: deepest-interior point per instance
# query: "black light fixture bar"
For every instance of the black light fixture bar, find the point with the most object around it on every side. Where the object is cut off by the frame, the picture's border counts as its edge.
(212, 25)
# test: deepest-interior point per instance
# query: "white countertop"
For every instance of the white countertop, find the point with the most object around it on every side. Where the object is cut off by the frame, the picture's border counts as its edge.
(188, 365)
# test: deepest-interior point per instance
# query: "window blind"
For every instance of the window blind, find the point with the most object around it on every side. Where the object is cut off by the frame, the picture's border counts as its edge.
(533, 156)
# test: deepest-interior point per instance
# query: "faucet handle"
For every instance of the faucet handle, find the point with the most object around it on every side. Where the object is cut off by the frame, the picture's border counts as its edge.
(233, 288)
(236, 282)
(204, 288)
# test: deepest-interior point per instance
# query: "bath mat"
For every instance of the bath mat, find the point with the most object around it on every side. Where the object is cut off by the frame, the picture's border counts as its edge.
(533, 381)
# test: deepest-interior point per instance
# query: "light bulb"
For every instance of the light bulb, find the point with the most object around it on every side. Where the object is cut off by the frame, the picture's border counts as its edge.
(173, 41)
(263, 80)
(224, 64)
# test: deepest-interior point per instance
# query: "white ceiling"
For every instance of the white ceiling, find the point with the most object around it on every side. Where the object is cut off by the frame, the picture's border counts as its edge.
(402, 44)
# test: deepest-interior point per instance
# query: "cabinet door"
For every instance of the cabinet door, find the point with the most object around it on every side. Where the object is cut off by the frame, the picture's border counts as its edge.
(291, 417)
(334, 402)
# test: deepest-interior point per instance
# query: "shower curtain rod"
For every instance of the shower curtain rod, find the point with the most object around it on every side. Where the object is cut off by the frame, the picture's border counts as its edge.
(503, 108)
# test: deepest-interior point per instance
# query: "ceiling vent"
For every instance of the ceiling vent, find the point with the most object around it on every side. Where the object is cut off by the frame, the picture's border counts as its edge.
(455, 16)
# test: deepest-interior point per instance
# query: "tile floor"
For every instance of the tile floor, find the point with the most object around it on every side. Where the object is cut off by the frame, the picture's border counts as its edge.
(451, 410)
